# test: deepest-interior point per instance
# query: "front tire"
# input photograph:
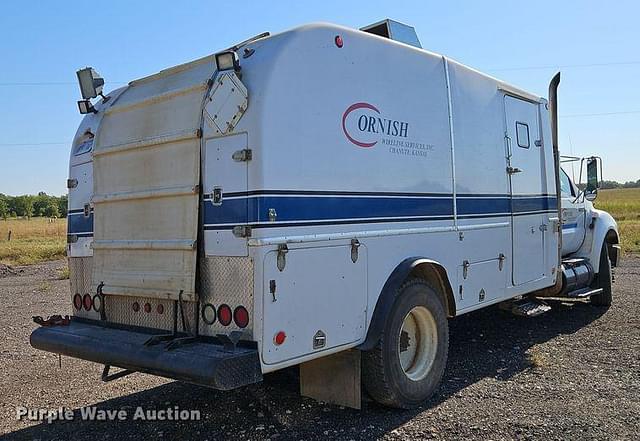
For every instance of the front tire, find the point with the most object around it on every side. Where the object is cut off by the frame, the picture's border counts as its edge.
(603, 279)
(407, 364)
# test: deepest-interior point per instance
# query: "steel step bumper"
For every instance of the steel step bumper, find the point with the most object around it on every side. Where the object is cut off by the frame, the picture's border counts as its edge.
(200, 362)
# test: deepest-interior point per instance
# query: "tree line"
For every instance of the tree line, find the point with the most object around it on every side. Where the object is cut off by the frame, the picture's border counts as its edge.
(28, 206)
(615, 184)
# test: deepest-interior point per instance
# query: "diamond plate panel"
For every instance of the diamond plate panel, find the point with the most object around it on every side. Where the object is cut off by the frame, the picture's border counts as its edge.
(120, 310)
(226, 280)
(80, 283)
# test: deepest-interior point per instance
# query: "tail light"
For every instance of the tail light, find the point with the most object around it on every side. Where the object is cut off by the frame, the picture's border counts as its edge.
(135, 306)
(224, 315)
(147, 307)
(77, 301)
(241, 316)
(160, 309)
(87, 302)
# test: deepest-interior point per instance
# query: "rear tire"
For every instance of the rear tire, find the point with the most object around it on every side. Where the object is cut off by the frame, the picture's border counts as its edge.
(603, 279)
(407, 364)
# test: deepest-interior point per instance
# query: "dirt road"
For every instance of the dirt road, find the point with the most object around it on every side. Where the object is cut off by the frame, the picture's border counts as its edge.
(573, 373)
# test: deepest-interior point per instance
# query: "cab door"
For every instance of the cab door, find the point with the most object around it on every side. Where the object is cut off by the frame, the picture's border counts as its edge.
(528, 200)
(573, 216)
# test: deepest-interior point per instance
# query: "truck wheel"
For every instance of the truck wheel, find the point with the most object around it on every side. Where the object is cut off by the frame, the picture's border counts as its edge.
(407, 364)
(603, 279)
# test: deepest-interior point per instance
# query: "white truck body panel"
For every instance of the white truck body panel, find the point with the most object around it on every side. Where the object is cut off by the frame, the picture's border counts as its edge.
(403, 150)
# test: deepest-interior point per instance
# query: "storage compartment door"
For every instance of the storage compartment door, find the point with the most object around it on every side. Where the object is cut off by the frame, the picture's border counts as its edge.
(225, 200)
(318, 300)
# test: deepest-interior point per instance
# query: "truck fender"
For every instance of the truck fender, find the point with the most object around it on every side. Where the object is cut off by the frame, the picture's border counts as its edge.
(604, 231)
(429, 269)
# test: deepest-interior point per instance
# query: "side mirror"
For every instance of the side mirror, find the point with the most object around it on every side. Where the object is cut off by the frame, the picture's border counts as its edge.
(593, 183)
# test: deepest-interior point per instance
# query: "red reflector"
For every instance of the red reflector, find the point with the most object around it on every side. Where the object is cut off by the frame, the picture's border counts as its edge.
(339, 41)
(241, 316)
(147, 307)
(135, 306)
(224, 315)
(86, 302)
(77, 301)
(279, 338)
(160, 309)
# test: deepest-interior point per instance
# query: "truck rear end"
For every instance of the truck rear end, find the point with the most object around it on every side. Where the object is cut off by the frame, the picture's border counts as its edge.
(136, 251)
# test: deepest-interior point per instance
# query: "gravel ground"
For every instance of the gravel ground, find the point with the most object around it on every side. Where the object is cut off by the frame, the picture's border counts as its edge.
(573, 373)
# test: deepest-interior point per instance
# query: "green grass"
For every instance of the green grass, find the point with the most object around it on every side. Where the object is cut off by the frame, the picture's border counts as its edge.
(624, 205)
(32, 241)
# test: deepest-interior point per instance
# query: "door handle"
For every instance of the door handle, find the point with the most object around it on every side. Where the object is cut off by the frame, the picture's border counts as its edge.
(513, 170)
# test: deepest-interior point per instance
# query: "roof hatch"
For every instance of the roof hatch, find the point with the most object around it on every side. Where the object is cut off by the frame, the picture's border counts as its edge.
(395, 31)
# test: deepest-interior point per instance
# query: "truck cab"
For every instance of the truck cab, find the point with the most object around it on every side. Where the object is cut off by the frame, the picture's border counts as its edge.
(585, 228)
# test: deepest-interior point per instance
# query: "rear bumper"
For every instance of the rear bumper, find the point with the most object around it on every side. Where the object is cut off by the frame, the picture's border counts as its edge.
(203, 363)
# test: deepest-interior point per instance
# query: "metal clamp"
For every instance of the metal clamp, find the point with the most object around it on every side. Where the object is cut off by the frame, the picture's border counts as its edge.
(281, 260)
(355, 244)
(465, 268)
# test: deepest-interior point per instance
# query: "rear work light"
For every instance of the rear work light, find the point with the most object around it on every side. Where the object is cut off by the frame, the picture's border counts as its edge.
(224, 315)
(241, 316)
(77, 301)
(97, 303)
(87, 302)
(209, 314)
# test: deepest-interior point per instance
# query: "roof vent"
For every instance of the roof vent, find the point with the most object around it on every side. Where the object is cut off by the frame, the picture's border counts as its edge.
(395, 31)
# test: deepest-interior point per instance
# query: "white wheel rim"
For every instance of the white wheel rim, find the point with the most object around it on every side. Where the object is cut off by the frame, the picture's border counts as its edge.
(417, 343)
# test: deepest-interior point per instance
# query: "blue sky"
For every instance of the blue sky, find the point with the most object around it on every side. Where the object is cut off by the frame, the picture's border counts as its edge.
(595, 44)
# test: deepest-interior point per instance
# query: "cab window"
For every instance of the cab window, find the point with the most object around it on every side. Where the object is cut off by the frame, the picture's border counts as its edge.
(565, 184)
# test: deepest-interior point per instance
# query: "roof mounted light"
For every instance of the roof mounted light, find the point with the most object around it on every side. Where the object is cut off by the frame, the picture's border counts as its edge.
(227, 61)
(85, 107)
(91, 83)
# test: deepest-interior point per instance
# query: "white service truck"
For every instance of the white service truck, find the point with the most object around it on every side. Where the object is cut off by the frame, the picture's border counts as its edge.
(324, 197)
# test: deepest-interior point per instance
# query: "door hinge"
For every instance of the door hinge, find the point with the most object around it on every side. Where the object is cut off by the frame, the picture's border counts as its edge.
(242, 231)
(465, 268)
(242, 155)
(501, 258)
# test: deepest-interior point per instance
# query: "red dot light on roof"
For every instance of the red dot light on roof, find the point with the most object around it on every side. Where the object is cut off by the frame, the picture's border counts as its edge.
(135, 306)
(279, 338)
(224, 315)
(77, 301)
(87, 302)
(147, 307)
(241, 316)
(339, 41)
